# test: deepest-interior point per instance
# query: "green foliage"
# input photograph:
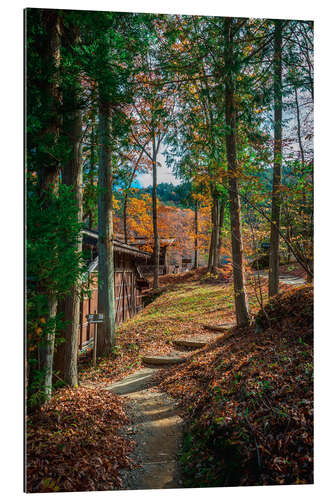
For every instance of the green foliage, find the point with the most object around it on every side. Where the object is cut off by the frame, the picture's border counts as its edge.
(169, 194)
(53, 266)
(216, 455)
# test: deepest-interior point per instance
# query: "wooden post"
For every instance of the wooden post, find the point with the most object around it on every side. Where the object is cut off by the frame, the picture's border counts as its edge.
(95, 345)
(95, 341)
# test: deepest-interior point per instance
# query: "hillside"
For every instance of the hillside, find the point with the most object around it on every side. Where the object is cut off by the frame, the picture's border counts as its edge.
(248, 401)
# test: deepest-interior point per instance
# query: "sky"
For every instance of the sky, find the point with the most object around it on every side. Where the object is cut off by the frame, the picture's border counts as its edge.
(164, 174)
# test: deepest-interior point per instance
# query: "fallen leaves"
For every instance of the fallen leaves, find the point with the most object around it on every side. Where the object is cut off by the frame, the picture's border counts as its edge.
(73, 443)
(247, 398)
(248, 401)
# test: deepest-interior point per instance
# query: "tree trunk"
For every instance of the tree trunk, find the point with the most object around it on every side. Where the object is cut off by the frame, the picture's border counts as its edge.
(47, 353)
(215, 236)
(305, 231)
(106, 330)
(241, 303)
(221, 224)
(125, 216)
(274, 255)
(49, 176)
(126, 196)
(67, 352)
(210, 255)
(156, 255)
(196, 250)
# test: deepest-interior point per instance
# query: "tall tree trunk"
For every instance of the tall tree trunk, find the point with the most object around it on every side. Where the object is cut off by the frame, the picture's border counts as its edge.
(299, 137)
(106, 331)
(47, 353)
(67, 352)
(126, 196)
(156, 255)
(210, 254)
(92, 165)
(125, 217)
(221, 224)
(274, 255)
(241, 302)
(49, 175)
(305, 231)
(196, 250)
(215, 235)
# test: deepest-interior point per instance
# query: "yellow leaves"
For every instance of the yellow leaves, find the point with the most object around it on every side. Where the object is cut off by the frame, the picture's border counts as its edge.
(192, 89)
(248, 49)
(116, 204)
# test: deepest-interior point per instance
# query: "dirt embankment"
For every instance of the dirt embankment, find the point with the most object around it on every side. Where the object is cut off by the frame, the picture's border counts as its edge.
(249, 401)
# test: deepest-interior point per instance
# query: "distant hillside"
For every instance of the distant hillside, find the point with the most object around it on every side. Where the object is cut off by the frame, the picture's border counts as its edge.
(169, 194)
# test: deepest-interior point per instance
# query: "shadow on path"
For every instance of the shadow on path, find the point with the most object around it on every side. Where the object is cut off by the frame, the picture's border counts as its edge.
(157, 429)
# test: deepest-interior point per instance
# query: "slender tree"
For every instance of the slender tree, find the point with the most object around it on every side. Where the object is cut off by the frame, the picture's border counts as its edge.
(274, 255)
(48, 175)
(196, 249)
(241, 303)
(67, 351)
(107, 331)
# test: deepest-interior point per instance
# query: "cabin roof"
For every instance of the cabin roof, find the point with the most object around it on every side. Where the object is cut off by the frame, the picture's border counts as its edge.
(119, 246)
(144, 241)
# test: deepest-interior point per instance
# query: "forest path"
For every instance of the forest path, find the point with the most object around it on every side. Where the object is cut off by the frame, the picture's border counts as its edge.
(155, 422)
(157, 429)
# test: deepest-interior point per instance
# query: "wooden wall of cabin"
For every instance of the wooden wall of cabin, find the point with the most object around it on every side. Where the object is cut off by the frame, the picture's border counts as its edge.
(128, 297)
(89, 305)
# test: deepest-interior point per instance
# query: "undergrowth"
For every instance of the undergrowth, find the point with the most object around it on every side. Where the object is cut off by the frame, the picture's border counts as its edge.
(248, 402)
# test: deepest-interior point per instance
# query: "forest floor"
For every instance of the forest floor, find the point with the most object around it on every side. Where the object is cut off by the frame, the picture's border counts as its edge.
(248, 394)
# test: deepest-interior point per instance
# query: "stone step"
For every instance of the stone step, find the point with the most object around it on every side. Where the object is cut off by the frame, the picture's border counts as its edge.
(167, 359)
(219, 328)
(186, 342)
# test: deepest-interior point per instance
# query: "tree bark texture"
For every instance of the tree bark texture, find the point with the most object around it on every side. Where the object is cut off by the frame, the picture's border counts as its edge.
(274, 254)
(214, 236)
(156, 255)
(196, 249)
(49, 172)
(67, 352)
(125, 217)
(221, 224)
(106, 301)
(47, 352)
(241, 302)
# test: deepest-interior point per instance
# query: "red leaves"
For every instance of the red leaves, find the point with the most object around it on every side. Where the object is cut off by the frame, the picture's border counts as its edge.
(74, 444)
(257, 388)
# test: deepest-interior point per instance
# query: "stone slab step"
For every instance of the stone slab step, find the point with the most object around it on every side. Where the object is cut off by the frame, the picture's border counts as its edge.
(167, 359)
(219, 328)
(132, 383)
(195, 342)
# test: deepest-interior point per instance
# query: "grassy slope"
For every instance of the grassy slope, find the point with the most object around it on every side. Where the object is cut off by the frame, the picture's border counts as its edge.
(247, 400)
(186, 301)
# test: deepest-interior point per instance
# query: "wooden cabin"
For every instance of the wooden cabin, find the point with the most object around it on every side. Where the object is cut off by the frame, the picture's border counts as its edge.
(165, 266)
(129, 282)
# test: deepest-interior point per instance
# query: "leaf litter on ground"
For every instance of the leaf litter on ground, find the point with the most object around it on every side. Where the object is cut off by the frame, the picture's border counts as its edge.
(258, 383)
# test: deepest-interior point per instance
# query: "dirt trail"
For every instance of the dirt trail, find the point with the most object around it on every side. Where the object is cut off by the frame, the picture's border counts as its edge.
(155, 424)
(157, 429)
